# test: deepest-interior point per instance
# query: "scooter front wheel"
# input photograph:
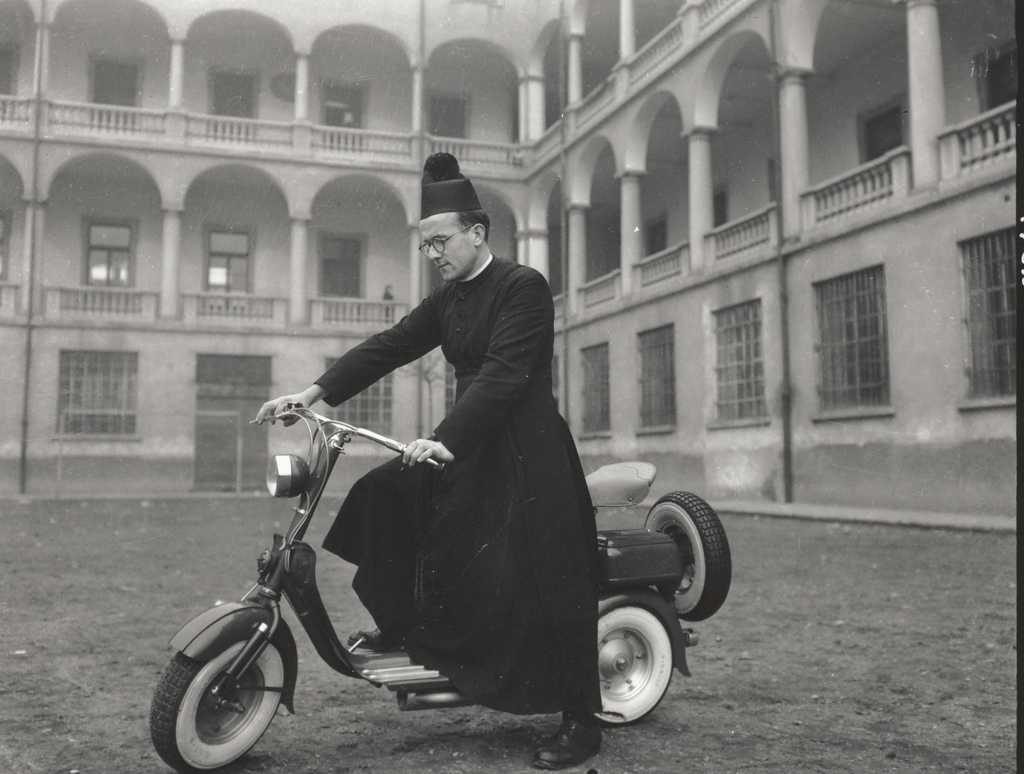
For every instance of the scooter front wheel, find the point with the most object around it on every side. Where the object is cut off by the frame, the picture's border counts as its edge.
(192, 731)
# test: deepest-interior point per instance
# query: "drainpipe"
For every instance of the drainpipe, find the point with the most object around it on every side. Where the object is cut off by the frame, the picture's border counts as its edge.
(563, 31)
(421, 144)
(30, 234)
(786, 392)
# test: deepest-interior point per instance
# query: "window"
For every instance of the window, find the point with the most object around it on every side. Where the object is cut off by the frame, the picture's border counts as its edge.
(657, 377)
(232, 94)
(228, 264)
(881, 131)
(988, 265)
(108, 254)
(342, 104)
(739, 366)
(8, 69)
(340, 266)
(596, 408)
(995, 70)
(655, 235)
(371, 408)
(719, 207)
(97, 393)
(447, 115)
(852, 345)
(115, 83)
(5, 243)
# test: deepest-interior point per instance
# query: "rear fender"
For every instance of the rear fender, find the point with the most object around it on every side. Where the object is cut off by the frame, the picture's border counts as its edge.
(665, 613)
(213, 630)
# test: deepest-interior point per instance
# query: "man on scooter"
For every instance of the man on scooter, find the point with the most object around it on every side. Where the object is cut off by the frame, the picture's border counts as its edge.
(486, 571)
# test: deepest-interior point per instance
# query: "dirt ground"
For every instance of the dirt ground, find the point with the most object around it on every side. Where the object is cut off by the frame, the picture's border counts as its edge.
(840, 649)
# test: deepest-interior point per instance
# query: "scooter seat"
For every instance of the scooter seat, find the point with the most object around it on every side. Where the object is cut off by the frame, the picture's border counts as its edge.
(621, 484)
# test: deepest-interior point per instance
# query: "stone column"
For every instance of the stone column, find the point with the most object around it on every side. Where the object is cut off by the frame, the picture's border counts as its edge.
(419, 152)
(535, 117)
(31, 233)
(42, 77)
(298, 297)
(575, 79)
(793, 166)
(302, 87)
(415, 266)
(631, 225)
(927, 90)
(627, 30)
(170, 263)
(176, 81)
(523, 108)
(538, 239)
(523, 248)
(577, 257)
(700, 192)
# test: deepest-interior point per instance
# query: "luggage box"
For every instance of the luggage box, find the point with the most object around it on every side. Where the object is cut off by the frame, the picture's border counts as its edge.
(638, 557)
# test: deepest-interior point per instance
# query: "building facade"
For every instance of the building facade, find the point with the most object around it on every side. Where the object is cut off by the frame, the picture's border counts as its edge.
(787, 227)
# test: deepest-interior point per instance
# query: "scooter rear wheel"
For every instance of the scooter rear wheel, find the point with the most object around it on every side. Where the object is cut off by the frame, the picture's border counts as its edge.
(634, 661)
(191, 732)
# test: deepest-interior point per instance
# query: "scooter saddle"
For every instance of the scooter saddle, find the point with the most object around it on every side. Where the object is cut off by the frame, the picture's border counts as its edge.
(621, 484)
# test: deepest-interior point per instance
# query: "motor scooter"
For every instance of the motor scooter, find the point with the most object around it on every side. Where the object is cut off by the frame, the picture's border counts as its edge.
(236, 663)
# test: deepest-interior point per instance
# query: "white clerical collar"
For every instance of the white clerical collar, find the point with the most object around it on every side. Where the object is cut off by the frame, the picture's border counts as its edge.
(478, 272)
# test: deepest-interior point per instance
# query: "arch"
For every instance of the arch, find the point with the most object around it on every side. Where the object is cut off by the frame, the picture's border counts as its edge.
(639, 136)
(798, 30)
(355, 179)
(489, 46)
(234, 169)
(17, 20)
(505, 200)
(539, 193)
(223, 13)
(18, 164)
(117, 163)
(705, 113)
(356, 28)
(11, 179)
(535, 60)
(113, 7)
(581, 172)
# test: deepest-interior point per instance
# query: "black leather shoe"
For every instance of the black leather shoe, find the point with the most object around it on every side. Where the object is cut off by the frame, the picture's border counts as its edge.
(574, 742)
(376, 641)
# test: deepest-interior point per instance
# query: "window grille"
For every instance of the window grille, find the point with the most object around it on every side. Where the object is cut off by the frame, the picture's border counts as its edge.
(370, 408)
(98, 393)
(852, 340)
(657, 377)
(739, 366)
(988, 266)
(596, 409)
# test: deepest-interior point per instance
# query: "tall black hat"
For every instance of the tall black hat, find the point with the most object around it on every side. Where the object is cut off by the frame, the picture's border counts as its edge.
(444, 188)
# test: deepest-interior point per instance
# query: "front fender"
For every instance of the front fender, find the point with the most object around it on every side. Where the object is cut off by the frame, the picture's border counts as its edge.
(665, 613)
(213, 630)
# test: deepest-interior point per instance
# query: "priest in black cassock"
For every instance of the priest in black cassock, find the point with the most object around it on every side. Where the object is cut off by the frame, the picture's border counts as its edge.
(487, 570)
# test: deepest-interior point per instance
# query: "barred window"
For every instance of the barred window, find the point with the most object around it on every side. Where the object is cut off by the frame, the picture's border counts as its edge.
(98, 393)
(991, 308)
(852, 343)
(596, 409)
(371, 408)
(739, 366)
(657, 377)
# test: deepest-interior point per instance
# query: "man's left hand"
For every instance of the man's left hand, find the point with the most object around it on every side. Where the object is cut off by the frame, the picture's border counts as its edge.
(422, 449)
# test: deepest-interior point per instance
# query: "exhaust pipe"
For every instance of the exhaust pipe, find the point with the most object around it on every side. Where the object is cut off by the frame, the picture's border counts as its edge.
(410, 701)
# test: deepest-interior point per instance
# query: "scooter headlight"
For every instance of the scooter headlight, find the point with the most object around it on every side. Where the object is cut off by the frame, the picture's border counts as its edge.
(287, 475)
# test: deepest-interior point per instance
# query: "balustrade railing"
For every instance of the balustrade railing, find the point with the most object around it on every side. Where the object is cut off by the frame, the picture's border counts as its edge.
(599, 98)
(86, 118)
(234, 309)
(750, 231)
(712, 9)
(500, 154)
(361, 143)
(862, 187)
(978, 142)
(663, 264)
(8, 299)
(549, 141)
(607, 287)
(242, 132)
(99, 302)
(656, 50)
(15, 112)
(355, 311)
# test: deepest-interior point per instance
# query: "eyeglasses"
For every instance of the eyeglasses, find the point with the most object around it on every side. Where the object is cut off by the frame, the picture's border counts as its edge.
(438, 243)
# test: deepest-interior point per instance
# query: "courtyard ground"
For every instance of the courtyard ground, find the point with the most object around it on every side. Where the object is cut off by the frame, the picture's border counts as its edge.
(842, 648)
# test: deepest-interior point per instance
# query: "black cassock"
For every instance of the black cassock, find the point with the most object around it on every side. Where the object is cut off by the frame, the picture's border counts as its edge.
(491, 566)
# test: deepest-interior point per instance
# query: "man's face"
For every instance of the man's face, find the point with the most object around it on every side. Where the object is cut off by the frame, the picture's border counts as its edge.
(459, 255)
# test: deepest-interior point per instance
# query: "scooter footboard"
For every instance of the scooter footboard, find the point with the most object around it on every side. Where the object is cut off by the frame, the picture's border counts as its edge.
(213, 630)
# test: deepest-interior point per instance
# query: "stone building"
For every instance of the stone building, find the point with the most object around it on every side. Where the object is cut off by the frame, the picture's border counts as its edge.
(789, 230)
